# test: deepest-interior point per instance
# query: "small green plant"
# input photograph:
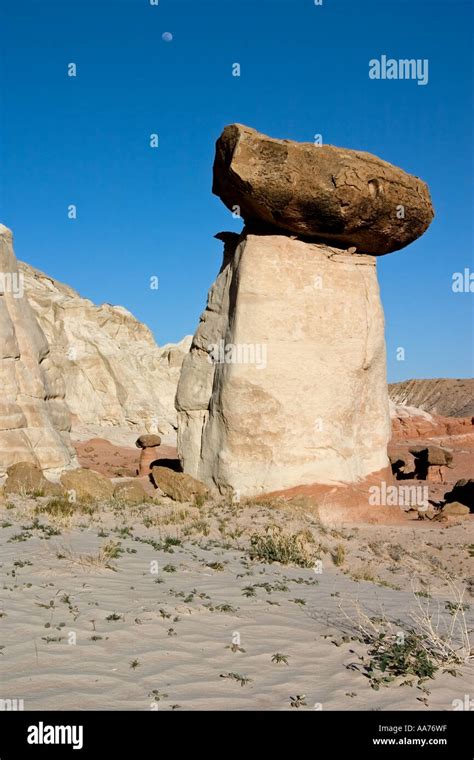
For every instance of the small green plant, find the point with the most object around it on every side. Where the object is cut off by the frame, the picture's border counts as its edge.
(215, 566)
(157, 545)
(124, 532)
(243, 680)
(22, 563)
(169, 542)
(19, 537)
(114, 616)
(225, 608)
(235, 648)
(278, 657)
(298, 701)
(155, 694)
(111, 550)
(169, 569)
(391, 657)
(46, 606)
(453, 608)
(134, 664)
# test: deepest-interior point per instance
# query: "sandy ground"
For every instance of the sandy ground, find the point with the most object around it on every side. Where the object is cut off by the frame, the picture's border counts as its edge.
(156, 606)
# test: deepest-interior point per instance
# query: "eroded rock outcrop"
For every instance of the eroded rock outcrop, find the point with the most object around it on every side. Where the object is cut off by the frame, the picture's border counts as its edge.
(409, 422)
(114, 373)
(285, 382)
(34, 419)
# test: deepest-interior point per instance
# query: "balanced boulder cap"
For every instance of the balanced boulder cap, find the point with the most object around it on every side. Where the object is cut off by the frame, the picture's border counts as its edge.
(148, 441)
(333, 195)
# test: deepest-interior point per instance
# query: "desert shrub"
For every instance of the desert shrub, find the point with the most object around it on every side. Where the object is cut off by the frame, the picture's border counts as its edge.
(391, 657)
(339, 555)
(276, 546)
(418, 648)
(199, 500)
(60, 506)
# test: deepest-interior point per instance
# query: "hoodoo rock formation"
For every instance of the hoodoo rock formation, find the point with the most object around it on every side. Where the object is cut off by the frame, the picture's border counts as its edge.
(34, 419)
(285, 381)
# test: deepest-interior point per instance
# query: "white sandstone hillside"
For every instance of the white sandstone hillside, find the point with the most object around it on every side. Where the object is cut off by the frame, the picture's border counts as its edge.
(117, 378)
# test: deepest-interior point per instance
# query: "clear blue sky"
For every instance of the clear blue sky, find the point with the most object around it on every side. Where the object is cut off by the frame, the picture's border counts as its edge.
(304, 70)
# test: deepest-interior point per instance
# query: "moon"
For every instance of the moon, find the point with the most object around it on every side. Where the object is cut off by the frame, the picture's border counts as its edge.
(167, 37)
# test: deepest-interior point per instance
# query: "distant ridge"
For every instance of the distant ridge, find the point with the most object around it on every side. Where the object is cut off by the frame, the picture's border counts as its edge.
(445, 396)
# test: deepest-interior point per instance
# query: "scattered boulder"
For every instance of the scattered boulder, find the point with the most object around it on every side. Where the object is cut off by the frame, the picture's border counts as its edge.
(87, 485)
(131, 492)
(455, 509)
(431, 462)
(424, 513)
(440, 517)
(27, 479)
(402, 462)
(177, 485)
(462, 492)
(334, 195)
(433, 455)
